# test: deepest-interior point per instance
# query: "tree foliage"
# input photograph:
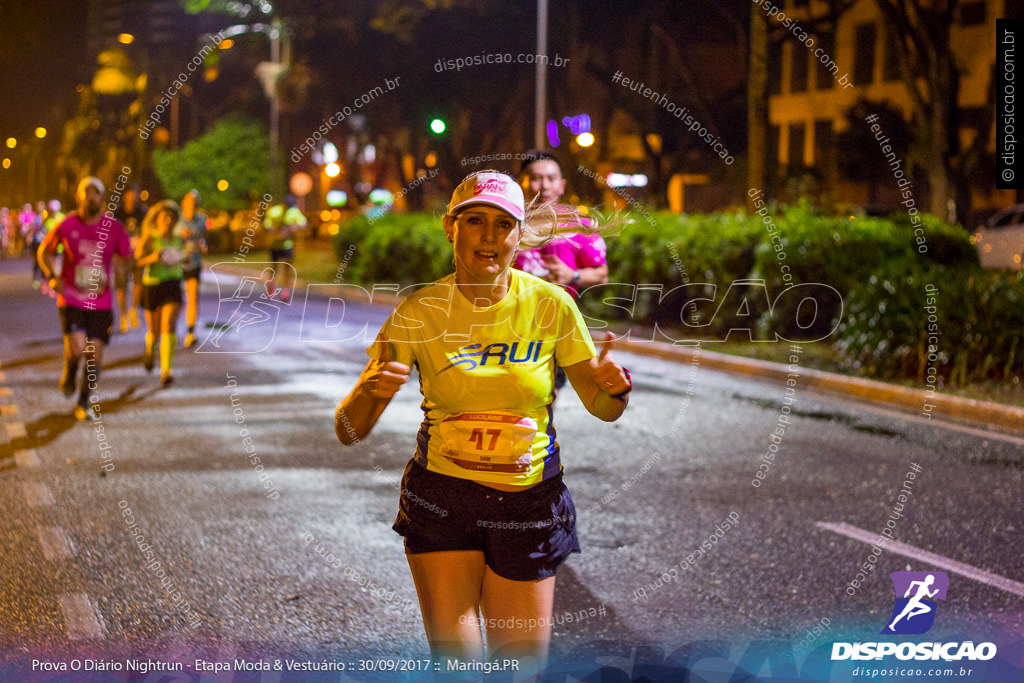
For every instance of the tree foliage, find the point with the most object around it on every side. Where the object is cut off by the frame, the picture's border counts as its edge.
(235, 149)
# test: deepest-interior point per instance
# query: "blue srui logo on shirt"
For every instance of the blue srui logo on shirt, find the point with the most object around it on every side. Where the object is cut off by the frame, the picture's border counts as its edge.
(472, 356)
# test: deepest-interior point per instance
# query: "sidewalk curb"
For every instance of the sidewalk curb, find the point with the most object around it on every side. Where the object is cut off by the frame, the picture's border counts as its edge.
(1009, 418)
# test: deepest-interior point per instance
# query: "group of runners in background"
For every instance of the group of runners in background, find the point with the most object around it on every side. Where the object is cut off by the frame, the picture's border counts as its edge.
(486, 453)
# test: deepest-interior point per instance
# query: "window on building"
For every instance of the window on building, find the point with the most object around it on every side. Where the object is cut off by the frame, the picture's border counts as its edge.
(798, 68)
(797, 137)
(824, 146)
(864, 54)
(972, 13)
(824, 77)
(891, 60)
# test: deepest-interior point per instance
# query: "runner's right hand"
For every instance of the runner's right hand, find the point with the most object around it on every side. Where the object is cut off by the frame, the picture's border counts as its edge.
(385, 376)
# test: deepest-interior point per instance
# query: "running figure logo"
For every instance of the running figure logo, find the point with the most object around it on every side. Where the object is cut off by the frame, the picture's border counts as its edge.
(914, 612)
(250, 313)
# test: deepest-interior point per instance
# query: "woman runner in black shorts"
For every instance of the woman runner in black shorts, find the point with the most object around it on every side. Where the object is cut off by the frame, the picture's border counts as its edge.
(485, 515)
(161, 253)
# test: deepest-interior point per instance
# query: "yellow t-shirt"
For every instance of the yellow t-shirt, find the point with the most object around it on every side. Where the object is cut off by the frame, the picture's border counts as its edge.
(487, 376)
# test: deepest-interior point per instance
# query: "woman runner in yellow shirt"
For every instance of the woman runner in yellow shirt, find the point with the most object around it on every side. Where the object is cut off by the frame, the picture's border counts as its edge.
(485, 515)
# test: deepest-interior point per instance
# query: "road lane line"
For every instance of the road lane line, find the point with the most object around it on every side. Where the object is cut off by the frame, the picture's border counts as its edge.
(994, 580)
(56, 545)
(81, 618)
(37, 494)
(16, 430)
(26, 458)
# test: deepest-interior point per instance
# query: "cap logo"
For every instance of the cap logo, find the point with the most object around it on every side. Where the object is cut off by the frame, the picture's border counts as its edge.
(491, 186)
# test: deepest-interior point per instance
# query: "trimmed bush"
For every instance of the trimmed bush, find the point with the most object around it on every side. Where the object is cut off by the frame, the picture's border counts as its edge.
(864, 283)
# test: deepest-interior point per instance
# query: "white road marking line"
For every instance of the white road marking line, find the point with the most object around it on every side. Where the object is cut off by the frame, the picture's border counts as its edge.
(37, 494)
(56, 545)
(26, 458)
(994, 580)
(16, 430)
(81, 618)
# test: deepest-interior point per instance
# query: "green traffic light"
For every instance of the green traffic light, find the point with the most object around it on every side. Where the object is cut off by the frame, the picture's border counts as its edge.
(437, 125)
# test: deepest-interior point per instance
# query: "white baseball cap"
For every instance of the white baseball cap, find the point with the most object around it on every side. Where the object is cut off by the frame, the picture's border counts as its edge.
(86, 182)
(492, 188)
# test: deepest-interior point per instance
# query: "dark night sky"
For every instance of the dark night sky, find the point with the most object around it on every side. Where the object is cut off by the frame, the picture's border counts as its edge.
(42, 55)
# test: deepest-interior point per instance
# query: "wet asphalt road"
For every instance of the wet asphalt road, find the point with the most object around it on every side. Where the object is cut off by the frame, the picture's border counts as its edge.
(315, 570)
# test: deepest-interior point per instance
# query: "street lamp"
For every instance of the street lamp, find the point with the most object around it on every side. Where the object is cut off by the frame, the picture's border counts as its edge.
(268, 73)
(40, 132)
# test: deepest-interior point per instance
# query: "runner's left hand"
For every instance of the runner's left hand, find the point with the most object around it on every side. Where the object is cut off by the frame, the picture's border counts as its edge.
(609, 375)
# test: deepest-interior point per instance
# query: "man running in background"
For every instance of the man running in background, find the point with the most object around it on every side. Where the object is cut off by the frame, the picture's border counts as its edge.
(574, 261)
(282, 222)
(192, 229)
(93, 242)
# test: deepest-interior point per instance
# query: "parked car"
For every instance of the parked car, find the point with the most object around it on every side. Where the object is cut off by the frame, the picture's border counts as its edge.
(1001, 242)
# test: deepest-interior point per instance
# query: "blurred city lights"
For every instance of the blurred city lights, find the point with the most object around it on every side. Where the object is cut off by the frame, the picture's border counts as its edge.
(335, 198)
(369, 154)
(125, 38)
(332, 170)
(144, 195)
(325, 215)
(431, 160)
(585, 139)
(12, 143)
(222, 184)
(330, 152)
(626, 180)
(437, 125)
(381, 196)
(301, 184)
(40, 132)
(7, 163)
(226, 44)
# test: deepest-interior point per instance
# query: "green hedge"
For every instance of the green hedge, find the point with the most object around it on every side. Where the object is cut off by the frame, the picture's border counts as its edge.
(866, 275)
(402, 249)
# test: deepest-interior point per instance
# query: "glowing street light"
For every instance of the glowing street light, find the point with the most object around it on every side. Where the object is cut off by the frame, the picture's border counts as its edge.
(125, 38)
(12, 143)
(437, 125)
(40, 132)
(585, 139)
(6, 163)
(332, 170)
(222, 184)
